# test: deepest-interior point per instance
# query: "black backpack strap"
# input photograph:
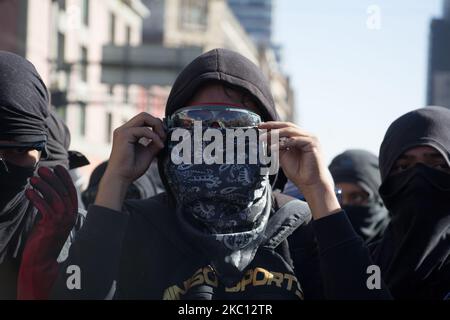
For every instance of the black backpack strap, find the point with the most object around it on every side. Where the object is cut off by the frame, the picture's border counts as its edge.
(291, 214)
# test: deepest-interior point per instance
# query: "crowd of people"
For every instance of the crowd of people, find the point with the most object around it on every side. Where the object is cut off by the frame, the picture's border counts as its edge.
(149, 228)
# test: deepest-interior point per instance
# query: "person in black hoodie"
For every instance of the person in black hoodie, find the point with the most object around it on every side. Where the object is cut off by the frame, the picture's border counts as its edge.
(414, 255)
(357, 175)
(31, 137)
(219, 232)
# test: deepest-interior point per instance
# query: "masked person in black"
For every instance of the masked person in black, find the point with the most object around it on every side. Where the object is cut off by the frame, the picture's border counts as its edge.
(414, 255)
(219, 232)
(148, 185)
(30, 137)
(23, 138)
(357, 175)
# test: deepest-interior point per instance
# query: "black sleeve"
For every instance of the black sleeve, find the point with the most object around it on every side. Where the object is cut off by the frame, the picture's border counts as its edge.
(344, 260)
(305, 256)
(95, 253)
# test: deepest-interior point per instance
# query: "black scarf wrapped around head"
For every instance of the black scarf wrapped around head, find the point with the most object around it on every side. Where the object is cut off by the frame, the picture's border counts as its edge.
(24, 111)
(25, 121)
(23, 101)
(414, 253)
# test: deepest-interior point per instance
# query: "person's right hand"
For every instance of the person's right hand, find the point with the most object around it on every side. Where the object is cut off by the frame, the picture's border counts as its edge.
(129, 158)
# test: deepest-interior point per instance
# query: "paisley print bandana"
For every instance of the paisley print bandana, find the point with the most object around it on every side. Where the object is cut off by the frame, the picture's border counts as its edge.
(223, 208)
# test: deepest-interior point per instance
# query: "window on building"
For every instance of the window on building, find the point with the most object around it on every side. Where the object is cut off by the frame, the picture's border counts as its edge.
(109, 127)
(128, 35)
(61, 53)
(126, 94)
(82, 119)
(62, 112)
(193, 14)
(112, 28)
(85, 12)
(61, 4)
(84, 64)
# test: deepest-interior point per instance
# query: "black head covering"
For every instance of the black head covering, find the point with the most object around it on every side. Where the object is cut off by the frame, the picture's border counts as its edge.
(228, 67)
(414, 253)
(58, 142)
(24, 114)
(422, 127)
(361, 167)
(357, 166)
(24, 101)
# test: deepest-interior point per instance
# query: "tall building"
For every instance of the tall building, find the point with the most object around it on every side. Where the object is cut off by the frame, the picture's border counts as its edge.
(438, 92)
(256, 18)
(64, 39)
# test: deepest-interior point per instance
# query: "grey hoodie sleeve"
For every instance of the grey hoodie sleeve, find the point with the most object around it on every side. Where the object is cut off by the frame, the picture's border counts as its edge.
(93, 262)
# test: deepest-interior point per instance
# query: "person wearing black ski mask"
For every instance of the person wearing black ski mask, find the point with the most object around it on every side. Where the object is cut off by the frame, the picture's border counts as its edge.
(357, 175)
(414, 255)
(219, 232)
(23, 140)
(31, 136)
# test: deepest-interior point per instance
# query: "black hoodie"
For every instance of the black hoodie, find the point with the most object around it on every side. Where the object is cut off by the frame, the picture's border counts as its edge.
(361, 167)
(414, 253)
(146, 253)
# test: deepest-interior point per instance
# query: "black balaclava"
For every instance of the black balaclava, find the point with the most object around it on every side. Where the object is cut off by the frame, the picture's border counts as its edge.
(24, 111)
(228, 252)
(361, 167)
(414, 254)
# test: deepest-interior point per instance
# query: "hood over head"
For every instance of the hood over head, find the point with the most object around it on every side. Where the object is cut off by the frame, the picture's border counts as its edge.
(227, 67)
(24, 101)
(361, 167)
(422, 127)
(414, 253)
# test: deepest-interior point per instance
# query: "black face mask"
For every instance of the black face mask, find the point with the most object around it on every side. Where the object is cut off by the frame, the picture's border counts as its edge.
(13, 180)
(367, 220)
(417, 252)
(420, 194)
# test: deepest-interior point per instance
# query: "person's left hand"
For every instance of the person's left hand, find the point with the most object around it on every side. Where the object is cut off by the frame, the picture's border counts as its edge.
(58, 205)
(302, 162)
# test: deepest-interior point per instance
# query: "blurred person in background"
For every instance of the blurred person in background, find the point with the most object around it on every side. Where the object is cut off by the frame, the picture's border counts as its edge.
(414, 254)
(356, 174)
(146, 186)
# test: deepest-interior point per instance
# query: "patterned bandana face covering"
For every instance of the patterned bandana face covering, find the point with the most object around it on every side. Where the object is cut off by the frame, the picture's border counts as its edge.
(224, 208)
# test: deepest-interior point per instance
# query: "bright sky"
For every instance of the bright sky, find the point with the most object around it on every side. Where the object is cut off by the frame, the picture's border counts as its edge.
(352, 81)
